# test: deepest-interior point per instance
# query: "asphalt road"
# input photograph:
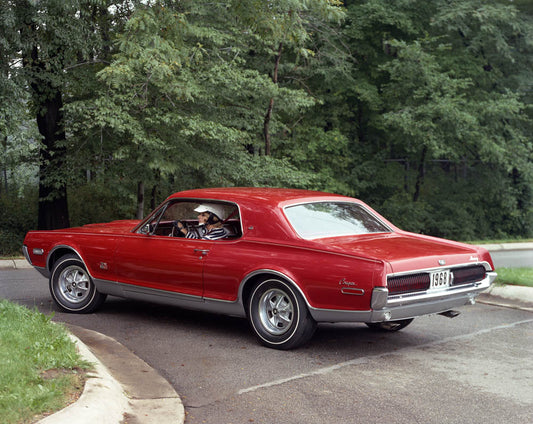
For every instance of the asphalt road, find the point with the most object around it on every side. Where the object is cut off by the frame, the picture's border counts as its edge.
(513, 258)
(476, 368)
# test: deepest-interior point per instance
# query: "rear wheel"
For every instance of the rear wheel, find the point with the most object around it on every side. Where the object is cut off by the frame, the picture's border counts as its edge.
(390, 325)
(278, 315)
(72, 288)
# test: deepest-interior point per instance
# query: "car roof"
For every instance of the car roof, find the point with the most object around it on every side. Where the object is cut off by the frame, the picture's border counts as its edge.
(259, 195)
(261, 208)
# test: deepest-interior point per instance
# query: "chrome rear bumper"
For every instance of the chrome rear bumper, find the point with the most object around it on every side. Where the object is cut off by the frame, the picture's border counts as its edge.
(390, 308)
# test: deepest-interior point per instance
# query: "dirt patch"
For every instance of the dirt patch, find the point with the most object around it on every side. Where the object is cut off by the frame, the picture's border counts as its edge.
(78, 378)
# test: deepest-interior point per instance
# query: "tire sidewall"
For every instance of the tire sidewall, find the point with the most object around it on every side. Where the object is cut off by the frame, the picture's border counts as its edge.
(298, 330)
(88, 304)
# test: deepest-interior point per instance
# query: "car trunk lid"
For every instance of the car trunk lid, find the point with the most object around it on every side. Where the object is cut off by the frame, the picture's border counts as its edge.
(404, 251)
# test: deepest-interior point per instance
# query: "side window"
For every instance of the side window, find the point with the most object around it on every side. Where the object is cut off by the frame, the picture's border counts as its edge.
(180, 211)
(161, 222)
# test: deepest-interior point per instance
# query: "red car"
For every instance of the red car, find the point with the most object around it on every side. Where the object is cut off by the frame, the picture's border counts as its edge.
(284, 259)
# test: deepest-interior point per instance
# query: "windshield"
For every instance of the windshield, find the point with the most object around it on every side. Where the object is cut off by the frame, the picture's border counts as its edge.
(332, 219)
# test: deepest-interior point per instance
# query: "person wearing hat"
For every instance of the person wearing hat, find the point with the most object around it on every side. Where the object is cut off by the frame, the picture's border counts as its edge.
(209, 221)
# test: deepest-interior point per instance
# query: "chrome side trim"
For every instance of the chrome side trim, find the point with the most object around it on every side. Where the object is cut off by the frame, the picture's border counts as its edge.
(333, 315)
(352, 291)
(181, 300)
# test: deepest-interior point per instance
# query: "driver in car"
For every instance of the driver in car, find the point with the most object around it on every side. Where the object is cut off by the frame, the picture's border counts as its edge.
(209, 224)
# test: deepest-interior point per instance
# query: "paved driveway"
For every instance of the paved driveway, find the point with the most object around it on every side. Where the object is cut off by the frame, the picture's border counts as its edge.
(476, 368)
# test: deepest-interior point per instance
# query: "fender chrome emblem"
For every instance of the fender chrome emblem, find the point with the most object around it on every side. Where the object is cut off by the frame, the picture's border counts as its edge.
(442, 262)
(343, 282)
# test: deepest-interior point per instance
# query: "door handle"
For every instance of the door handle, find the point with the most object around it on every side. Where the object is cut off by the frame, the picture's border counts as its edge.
(202, 251)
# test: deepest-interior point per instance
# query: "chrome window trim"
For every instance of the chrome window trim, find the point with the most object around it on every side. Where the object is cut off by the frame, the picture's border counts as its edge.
(362, 206)
(164, 206)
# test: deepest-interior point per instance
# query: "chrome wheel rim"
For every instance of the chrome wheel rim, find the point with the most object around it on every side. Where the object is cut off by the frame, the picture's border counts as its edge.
(74, 284)
(276, 311)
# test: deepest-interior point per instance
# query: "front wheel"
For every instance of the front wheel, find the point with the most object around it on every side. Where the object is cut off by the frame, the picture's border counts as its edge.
(278, 315)
(390, 325)
(72, 288)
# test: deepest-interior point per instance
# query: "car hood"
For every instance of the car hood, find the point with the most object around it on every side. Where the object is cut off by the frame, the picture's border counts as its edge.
(406, 251)
(114, 227)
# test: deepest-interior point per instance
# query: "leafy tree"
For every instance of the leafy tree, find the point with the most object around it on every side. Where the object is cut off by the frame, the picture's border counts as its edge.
(43, 39)
(423, 109)
(434, 98)
(182, 98)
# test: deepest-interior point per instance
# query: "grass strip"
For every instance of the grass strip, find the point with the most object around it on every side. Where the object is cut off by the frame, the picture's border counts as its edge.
(40, 370)
(515, 276)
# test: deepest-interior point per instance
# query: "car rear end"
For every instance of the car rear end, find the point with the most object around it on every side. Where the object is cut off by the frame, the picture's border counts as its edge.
(428, 291)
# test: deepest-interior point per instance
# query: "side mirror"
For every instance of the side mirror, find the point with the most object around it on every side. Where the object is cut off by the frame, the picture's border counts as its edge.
(146, 229)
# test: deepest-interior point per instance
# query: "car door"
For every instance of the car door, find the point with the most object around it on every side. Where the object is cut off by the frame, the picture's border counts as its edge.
(163, 263)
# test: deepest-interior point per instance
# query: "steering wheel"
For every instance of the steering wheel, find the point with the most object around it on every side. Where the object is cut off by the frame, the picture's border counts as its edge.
(176, 232)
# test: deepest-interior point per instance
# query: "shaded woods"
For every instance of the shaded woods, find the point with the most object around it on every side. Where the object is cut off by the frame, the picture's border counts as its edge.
(421, 109)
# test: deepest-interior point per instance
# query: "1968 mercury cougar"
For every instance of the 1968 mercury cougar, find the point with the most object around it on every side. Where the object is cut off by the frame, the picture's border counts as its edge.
(287, 260)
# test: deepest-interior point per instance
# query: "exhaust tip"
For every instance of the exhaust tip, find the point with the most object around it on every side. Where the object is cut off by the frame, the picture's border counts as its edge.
(450, 314)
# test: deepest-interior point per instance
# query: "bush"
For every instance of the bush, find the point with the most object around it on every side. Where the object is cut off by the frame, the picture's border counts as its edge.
(18, 215)
(97, 202)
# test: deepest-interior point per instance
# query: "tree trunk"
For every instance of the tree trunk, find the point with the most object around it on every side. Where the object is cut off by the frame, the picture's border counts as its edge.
(4, 167)
(140, 200)
(268, 116)
(53, 206)
(421, 174)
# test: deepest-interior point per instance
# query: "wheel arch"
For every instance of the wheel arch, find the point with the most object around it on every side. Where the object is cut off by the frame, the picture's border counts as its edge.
(58, 252)
(247, 284)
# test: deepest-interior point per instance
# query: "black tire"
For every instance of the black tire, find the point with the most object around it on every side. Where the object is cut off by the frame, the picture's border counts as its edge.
(278, 315)
(390, 325)
(72, 288)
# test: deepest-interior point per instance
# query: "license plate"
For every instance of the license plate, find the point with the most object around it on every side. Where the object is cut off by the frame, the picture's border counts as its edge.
(439, 279)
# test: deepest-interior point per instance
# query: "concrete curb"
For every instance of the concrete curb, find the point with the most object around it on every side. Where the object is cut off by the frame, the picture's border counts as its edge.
(14, 264)
(517, 297)
(122, 388)
(103, 400)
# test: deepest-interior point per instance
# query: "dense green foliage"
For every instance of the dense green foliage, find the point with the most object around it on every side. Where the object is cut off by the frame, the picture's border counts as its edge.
(422, 109)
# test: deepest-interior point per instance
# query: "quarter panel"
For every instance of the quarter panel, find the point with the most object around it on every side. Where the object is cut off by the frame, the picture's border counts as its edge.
(95, 250)
(327, 280)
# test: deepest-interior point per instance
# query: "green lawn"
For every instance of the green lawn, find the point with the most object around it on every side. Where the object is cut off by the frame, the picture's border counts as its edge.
(515, 276)
(40, 369)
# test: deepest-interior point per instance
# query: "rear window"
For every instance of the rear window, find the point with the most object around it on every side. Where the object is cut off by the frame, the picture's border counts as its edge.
(333, 219)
